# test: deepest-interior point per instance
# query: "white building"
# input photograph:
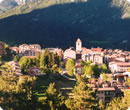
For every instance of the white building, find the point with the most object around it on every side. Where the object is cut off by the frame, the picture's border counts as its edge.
(95, 57)
(29, 50)
(119, 67)
(16, 68)
(70, 53)
(78, 45)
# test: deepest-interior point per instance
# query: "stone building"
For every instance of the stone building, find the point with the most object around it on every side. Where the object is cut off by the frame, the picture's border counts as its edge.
(119, 67)
(106, 94)
(29, 50)
(70, 53)
(96, 58)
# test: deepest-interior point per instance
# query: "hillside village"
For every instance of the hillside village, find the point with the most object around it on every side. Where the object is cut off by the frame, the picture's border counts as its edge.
(109, 83)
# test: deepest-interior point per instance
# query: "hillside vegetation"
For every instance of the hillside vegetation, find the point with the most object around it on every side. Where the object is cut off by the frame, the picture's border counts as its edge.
(37, 4)
(58, 23)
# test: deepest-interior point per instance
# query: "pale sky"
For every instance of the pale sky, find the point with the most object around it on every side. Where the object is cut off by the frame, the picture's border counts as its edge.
(1, 1)
(128, 0)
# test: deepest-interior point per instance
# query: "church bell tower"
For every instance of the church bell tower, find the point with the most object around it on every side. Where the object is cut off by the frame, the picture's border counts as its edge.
(78, 45)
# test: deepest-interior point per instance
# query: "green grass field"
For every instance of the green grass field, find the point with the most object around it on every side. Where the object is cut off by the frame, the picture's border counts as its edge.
(62, 84)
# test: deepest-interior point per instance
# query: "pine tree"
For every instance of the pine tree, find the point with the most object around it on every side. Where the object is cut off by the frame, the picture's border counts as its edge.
(70, 65)
(38, 60)
(15, 94)
(84, 98)
(45, 59)
(54, 99)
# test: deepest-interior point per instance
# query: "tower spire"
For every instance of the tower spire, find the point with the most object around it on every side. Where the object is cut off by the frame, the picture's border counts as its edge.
(78, 45)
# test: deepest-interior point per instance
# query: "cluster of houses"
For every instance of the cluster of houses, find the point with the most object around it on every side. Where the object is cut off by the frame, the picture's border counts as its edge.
(118, 61)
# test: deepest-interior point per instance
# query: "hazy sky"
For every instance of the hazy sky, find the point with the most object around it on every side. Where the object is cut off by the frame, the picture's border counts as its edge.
(1, 1)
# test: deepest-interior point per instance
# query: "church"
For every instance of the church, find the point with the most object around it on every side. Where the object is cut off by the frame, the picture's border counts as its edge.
(96, 55)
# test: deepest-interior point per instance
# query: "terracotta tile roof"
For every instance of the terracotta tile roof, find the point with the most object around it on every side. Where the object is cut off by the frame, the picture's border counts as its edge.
(84, 49)
(123, 63)
(113, 60)
(97, 49)
(106, 89)
(30, 56)
(78, 66)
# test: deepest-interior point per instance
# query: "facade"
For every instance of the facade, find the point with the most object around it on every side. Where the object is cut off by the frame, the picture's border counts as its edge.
(14, 49)
(106, 94)
(29, 50)
(31, 53)
(78, 45)
(70, 53)
(2, 48)
(96, 58)
(33, 71)
(119, 67)
(16, 68)
(78, 67)
(57, 51)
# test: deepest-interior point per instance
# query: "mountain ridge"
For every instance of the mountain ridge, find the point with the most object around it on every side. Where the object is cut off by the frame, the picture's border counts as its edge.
(96, 22)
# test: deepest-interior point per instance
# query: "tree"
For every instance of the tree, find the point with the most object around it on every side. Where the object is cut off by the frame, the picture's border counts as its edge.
(101, 106)
(7, 56)
(115, 104)
(16, 58)
(8, 78)
(15, 93)
(121, 103)
(106, 78)
(57, 60)
(45, 59)
(97, 70)
(25, 63)
(127, 82)
(128, 69)
(38, 60)
(54, 99)
(104, 68)
(88, 71)
(70, 65)
(84, 98)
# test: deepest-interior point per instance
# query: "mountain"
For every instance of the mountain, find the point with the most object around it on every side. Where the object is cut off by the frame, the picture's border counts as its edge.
(21, 2)
(6, 5)
(58, 23)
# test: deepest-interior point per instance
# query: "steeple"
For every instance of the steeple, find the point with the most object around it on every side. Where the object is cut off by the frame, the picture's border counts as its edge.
(78, 45)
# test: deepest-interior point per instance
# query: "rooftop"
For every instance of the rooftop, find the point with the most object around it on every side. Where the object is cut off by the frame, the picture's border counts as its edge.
(106, 89)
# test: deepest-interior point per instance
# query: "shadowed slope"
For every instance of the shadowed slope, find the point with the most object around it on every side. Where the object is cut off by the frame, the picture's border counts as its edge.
(94, 21)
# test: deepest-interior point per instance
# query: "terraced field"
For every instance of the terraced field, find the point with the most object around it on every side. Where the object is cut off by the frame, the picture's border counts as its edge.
(62, 84)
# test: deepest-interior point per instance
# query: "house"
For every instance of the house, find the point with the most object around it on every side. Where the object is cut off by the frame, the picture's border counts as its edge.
(119, 67)
(78, 67)
(34, 71)
(57, 51)
(29, 50)
(106, 94)
(16, 68)
(70, 53)
(2, 48)
(96, 58)
(97, 49)
(121, 77)
(14, 49)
